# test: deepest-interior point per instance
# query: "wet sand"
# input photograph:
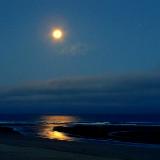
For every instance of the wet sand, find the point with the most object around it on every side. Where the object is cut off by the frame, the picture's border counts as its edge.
(8, 152)
(19, 147)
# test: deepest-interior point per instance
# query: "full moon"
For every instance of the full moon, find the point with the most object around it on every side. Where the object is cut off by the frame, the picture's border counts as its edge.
(57, 34)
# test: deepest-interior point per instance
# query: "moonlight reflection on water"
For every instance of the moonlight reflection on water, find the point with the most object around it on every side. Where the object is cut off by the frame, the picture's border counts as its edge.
(46, 129)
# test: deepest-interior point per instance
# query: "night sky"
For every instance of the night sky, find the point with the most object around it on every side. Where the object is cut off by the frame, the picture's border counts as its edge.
(108, 61)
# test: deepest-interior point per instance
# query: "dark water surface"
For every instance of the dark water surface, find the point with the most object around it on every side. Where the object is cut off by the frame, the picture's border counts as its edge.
(43, 125)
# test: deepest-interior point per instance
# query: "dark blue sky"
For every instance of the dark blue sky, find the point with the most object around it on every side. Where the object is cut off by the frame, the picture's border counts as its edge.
(108, 37)
(109, 60)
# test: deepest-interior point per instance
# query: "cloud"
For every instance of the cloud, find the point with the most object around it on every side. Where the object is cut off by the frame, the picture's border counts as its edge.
(72, 49)
(135, 93)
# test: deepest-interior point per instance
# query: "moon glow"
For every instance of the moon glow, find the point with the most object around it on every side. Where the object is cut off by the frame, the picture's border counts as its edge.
(57, 34)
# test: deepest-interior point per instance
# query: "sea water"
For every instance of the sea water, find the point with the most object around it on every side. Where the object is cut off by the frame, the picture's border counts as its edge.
(43, 125)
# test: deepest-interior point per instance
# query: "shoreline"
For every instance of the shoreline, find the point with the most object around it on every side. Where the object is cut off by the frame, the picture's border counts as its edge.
(136, 134)
(146, 134)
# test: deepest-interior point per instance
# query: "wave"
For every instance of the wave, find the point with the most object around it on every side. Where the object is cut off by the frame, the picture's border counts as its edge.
(30, 123)
(79, 123)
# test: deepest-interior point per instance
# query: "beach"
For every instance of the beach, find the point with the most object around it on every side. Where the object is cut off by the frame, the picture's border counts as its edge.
(26, 148)
(17, 148)
(64, 138)
(14, 152)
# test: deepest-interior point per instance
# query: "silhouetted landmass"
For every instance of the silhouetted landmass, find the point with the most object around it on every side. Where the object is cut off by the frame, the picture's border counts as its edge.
(88, 131)
(8, 131)
(120, 132)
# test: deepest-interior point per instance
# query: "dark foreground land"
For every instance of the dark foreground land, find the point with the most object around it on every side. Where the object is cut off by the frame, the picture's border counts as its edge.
(16, 147)
(122, 132)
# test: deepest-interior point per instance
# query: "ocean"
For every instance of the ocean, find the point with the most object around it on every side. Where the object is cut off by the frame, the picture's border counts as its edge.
(43, 125)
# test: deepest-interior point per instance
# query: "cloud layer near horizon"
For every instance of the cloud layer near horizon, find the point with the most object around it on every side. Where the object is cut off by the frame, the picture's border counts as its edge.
(114, 94)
